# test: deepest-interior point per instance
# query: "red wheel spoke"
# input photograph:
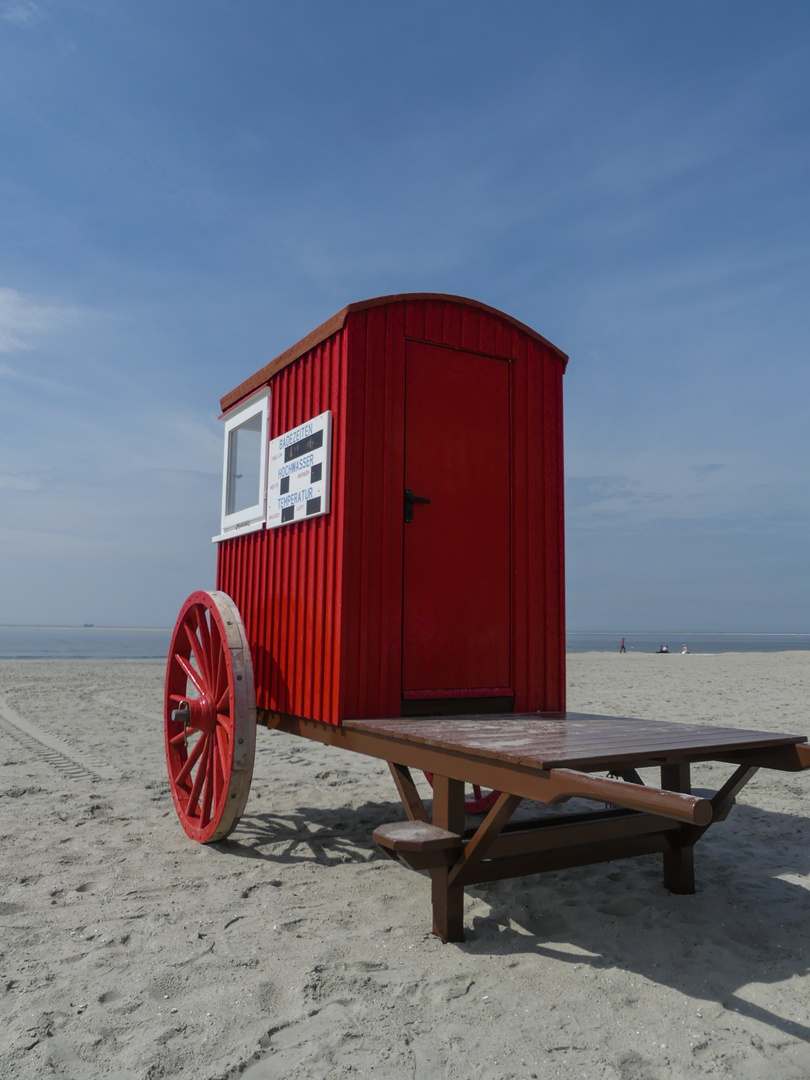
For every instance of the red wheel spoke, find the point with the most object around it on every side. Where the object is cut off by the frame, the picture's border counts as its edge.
(202, 773)
(213, 649)
(223, 737)
(185, 735)
(207, 767)
(205, 640)
(191, 674)
(222, 755)
(218, 769)
(215, 646)
(194, 797)
(197, 654)
(222, 682)
(216, 774)
(200, 640)
(191, 761)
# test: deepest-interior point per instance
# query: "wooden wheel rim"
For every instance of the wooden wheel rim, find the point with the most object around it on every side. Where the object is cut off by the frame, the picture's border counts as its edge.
(210, 749)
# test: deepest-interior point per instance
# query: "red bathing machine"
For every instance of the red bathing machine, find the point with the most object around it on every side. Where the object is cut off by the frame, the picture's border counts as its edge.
(391, 560)
(392, 517)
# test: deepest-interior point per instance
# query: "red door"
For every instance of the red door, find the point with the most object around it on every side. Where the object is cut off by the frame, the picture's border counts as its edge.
(456, 587)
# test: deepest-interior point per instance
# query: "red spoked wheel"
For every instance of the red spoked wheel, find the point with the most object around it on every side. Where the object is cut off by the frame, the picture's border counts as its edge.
(210, 714)
(479, 802)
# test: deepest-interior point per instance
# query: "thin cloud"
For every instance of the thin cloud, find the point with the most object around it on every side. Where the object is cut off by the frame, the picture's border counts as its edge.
(23, 319)
(22, 13)
(19, 482)
(701, 472)
(587, 492)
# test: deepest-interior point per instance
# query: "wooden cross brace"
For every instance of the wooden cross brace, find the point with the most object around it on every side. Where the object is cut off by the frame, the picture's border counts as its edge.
(668, 820)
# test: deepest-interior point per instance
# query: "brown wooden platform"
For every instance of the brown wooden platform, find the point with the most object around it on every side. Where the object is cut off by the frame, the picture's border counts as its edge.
(573, 740)
(550, 758)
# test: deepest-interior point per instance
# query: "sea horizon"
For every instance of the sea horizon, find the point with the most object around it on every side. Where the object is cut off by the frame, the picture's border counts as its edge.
(39, 641)
(703, 641)
(82, 626)
(593, 633)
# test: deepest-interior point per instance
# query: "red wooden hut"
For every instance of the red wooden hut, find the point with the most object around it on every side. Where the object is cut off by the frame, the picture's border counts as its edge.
(392, 521)
(392, 538)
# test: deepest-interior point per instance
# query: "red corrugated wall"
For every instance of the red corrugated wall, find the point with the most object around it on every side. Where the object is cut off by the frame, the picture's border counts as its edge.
(322, 600)
(287, 582)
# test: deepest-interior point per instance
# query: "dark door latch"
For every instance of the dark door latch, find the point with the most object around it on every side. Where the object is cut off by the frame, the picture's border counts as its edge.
(410, 499)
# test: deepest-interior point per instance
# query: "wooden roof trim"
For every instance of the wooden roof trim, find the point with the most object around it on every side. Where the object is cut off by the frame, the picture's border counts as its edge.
(337, 322)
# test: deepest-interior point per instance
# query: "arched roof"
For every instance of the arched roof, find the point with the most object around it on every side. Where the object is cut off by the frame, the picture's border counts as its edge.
(331, 326)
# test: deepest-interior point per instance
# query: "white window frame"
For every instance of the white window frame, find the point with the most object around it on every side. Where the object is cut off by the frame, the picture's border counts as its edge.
(252, 517)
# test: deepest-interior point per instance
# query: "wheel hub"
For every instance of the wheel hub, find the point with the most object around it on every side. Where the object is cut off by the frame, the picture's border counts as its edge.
(202, 713)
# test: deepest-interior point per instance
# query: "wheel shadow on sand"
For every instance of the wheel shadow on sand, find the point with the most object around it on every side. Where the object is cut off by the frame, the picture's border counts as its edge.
(327, 837)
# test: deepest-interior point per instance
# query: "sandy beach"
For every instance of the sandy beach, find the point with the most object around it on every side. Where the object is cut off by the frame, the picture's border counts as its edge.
(296, 950)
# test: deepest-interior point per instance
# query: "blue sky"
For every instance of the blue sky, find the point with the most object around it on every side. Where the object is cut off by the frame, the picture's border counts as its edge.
(187, 187)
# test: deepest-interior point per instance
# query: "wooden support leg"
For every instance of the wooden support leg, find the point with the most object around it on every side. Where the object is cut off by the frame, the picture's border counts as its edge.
(679, 860)
(411, 800)
(724, 798)
(485, 836)
(448, 900)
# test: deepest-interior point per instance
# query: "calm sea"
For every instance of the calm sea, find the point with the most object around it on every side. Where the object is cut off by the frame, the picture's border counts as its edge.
(82, 643)
(695, 643)
(106, 643)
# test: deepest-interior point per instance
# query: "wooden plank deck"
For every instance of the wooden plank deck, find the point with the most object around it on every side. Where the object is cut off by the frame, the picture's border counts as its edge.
(572, 740)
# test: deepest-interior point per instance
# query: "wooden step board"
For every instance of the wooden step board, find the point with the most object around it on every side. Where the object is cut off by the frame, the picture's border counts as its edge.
(419, 845)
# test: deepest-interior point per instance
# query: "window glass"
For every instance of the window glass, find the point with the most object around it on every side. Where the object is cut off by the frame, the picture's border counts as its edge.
(244, 465)
(244, 473)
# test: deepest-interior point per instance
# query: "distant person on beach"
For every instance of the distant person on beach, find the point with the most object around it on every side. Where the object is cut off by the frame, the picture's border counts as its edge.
(663, 649)
(621, 647)
(684, 651)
